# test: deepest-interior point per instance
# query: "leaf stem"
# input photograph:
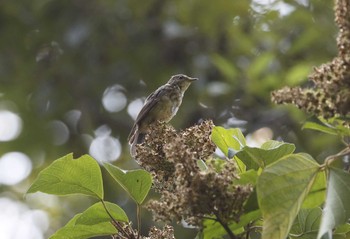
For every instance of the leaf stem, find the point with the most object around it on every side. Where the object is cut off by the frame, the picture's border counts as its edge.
(115, 223)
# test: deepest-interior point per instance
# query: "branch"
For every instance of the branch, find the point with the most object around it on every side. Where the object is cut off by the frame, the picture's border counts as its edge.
(330, 159)
(226, 227)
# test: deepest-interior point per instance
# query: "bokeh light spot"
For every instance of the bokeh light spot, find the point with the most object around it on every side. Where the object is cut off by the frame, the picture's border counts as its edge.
(218, 88)
(260, 136)
(114, 99)
(134, 107)
(60, 132)
(105, 148)
(14, 167)
(72, 118)
(18, 221)
(10, 125)
(264, 6)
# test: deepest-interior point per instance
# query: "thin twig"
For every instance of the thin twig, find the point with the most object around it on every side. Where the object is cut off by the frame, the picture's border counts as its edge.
(138, 215)
(329, 160)
(208, 218)
(226, 227)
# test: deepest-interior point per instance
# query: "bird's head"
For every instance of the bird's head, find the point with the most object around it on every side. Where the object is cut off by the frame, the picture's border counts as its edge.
(182, 81)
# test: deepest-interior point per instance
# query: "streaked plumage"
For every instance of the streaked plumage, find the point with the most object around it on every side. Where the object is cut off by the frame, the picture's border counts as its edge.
(161, 105)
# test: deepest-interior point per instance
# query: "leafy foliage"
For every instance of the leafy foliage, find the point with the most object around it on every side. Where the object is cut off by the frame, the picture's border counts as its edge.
(337, 208)
(281, 188)
(56, 53)
(286, 183)
(228, 141)
(269, 152)
(306, 223)
(83, 176)
(73, 230)
(70, 176)
(136, 182)
(288, 189)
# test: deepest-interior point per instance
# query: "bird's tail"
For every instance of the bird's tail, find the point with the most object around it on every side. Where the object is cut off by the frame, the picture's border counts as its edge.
(134, 139)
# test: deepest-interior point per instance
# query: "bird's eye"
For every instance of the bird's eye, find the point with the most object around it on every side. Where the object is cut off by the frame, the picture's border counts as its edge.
(181, 77)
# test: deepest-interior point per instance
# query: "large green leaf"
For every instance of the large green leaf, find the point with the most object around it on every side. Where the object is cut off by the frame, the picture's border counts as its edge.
(97, 214)
(136, 182)
(317, 193)
(70, 176)
(72, 230)
(281, 189)
(337, 208)
(228, 140)
(268, 153)
(94, 221)
(306, 224)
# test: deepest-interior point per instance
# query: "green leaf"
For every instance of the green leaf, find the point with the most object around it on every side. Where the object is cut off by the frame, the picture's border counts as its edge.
(97, 214)
(317, 193)
(342, 231)
(226, 139)
(268, 153)
(248, 177)
(94, 221)
(319, 127)
(260, 65)
(281, 189)
(342, 129)
(136, 182)
(306, 224)
(240, 165)
(252, 202)
(338, 124)
(225, 66)
(337, 208)
(244, 220)
(70, 176)
(80, 231)
(297, 74)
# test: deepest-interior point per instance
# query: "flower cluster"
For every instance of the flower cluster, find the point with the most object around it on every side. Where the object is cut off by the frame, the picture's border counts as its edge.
(151, 157)
(126, 231)
(331, 95)
(190, 192)
(166, 233)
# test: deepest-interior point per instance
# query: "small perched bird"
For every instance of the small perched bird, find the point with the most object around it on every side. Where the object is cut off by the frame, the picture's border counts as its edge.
(161, 105)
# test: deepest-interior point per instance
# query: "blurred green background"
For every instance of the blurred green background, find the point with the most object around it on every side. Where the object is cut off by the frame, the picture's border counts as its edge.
(74, 74)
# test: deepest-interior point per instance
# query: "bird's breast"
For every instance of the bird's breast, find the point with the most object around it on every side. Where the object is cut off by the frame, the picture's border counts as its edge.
(169, 105)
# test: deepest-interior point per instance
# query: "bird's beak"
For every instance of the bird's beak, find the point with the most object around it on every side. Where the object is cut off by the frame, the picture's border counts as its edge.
(192, 79)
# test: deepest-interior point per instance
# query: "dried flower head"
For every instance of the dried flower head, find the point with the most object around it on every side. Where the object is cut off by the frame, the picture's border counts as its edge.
(150, 155)
(331, 95)
(188, 192)
(166, 233)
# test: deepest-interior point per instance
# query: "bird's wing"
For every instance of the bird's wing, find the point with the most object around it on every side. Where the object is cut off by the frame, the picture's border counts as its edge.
(131, 136)
(150, 102)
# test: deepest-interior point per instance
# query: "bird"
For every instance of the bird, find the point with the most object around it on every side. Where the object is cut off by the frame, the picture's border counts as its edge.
(161, 105)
